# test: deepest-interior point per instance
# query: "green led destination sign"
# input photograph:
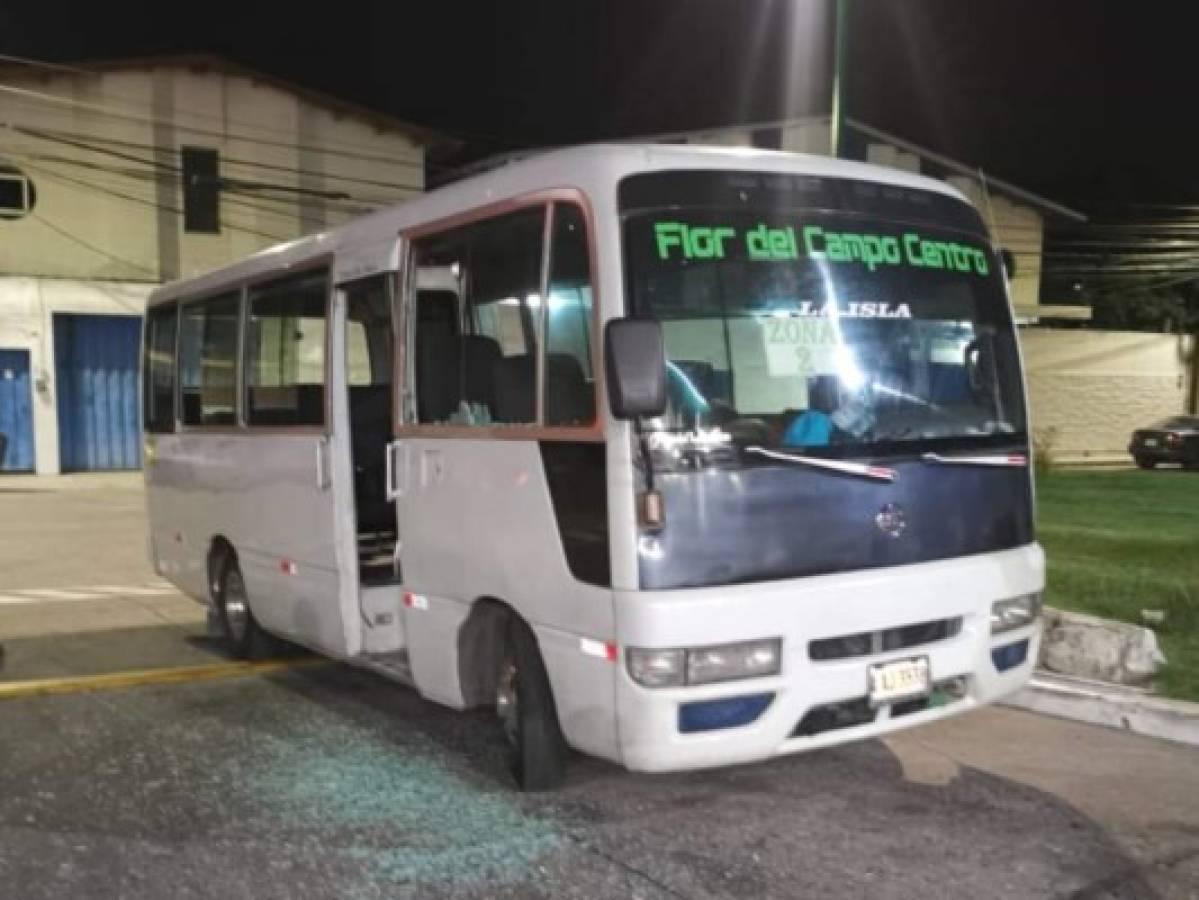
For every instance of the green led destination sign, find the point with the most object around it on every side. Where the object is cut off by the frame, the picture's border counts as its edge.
(678, 240)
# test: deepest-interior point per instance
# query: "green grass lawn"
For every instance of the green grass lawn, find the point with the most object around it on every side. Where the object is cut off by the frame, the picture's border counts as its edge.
(1119, 542)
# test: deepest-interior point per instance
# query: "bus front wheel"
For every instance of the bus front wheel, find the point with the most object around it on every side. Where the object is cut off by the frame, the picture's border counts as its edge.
(524, 704)
(246, 639)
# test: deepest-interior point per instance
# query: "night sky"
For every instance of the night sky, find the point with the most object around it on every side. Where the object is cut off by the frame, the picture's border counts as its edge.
(1090, 103)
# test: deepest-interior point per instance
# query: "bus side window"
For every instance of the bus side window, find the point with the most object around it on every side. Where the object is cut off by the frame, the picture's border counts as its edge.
(158, 393)
(208, 361)
(481, 370)
(569, 376)
(285, 351)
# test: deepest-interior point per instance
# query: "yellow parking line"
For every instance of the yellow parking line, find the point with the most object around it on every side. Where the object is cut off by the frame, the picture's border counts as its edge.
(116, 680)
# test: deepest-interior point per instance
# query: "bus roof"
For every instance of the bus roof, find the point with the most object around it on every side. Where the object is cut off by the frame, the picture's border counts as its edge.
(593, 168)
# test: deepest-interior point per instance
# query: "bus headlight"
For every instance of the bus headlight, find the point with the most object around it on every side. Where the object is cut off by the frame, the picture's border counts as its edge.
(1016, 612)
(705, 665)
(655, 668)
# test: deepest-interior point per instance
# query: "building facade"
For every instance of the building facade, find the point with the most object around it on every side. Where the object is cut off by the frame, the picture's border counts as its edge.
(119, 177)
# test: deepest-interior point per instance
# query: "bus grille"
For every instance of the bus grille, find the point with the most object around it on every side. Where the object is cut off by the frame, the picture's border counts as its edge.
(865, 643)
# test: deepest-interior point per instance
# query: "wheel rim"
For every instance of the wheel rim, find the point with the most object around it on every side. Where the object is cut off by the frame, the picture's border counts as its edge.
(507, 703)
(237, 608)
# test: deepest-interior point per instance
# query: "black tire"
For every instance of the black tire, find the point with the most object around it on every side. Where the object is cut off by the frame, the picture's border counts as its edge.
(242, 632)
(1145, 463)
(537, 751)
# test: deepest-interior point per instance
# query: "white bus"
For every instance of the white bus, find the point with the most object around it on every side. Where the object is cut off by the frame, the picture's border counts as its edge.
(679, 457)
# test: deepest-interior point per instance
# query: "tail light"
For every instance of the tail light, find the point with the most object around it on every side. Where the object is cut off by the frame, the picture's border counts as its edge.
(1173, 438)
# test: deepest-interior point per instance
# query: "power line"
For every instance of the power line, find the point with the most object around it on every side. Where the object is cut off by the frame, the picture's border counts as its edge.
(360, 207)
(248, 163)
(42, 64)
(167, 167)
(150, 203)
(90, 246)
(258, 204)
(100, 109)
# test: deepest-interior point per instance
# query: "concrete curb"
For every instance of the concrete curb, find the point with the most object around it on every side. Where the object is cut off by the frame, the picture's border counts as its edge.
(1111, 705)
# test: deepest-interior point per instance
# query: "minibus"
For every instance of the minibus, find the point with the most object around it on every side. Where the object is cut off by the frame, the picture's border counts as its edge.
(680, 457)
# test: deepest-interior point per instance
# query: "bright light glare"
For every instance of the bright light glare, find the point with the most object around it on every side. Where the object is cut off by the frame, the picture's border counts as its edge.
(847, 368)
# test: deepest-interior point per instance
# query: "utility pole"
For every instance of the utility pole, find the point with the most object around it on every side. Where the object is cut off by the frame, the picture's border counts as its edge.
(840, 77)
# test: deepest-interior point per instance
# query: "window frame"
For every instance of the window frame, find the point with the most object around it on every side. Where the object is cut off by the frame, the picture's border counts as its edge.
(190, 214)
(407, 425)
(302, 270)
(181, 303)
(27, 195)
(146, 384)
(242, 287)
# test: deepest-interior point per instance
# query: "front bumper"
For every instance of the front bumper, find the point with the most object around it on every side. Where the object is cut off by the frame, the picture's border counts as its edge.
(804, 610)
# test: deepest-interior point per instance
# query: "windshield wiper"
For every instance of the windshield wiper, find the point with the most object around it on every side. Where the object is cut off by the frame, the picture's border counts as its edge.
(875, 473)
(999, 459)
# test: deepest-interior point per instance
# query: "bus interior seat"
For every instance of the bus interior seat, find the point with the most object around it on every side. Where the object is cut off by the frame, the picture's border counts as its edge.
(479, 356)
(450, 369)
(822, 393)
(513, 378)
(570, 398)
(437, 355)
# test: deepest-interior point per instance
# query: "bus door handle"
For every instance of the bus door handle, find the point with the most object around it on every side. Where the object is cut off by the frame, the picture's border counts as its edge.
(395, 474)
(322, 464)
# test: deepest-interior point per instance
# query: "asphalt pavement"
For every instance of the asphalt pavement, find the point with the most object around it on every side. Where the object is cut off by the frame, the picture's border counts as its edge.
(318, 780)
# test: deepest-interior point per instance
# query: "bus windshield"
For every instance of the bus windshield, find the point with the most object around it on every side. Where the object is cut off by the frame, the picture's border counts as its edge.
(828, 333)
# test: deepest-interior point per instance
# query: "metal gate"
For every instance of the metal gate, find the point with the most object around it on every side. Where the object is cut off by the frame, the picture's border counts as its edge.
(96, 362)
(16, 411)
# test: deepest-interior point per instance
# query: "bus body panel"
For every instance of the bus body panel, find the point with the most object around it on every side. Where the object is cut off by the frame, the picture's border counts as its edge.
(477, 521)
(260, 492)
(813, 608)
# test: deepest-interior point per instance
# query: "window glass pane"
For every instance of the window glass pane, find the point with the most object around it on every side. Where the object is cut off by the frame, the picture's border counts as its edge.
(569, 383)
(158, 369)
(285, 351)
(369, 338)
(476, 307)
(208, 361)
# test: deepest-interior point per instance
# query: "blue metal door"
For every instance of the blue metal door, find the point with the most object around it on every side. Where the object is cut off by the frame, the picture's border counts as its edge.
(96, 362)
(16, 411)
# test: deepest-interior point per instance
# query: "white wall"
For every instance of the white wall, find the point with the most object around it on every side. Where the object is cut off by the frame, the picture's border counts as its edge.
(27, 323)
(1094, 387)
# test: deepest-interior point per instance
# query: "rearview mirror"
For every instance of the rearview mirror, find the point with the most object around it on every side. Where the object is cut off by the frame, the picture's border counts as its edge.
(635, 366)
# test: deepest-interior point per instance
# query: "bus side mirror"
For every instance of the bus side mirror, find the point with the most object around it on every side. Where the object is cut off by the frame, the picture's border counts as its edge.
(1009, 262)
(635, 366)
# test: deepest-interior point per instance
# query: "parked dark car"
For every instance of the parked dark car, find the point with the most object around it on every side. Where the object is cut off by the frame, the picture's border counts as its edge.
(1172, 440)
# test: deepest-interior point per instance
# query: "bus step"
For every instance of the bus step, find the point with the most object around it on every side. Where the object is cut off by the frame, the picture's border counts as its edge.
(394, 664)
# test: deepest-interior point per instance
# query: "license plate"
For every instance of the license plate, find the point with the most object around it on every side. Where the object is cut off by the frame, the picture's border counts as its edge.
(1150, 442)
(899, 680)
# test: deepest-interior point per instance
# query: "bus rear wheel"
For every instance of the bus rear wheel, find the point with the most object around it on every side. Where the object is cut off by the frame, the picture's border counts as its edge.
(524, 704)
(242, 632)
